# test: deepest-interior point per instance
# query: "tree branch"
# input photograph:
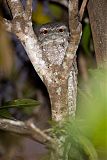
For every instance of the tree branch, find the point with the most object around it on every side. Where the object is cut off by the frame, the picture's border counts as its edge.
(97, 11)
(82, 9)
(73, 15)
(41, 133)
(25, 128)
(16, 8)
(75, 31)
(22, 27)
(28, 8)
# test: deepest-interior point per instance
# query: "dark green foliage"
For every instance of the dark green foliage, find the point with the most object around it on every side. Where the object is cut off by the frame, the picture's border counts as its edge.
(77, 145)
(74, 142)
(20, 103)
(86, 38)
(26, 104)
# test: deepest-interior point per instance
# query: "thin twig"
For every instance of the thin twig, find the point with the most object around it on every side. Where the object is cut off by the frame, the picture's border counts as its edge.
(82, 9)
(41, 133)
(13, 126)
(25, 128)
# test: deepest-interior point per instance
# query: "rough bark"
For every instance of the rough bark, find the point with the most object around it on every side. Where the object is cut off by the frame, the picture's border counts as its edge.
(25, 128)
(63, 92)
(97, 10)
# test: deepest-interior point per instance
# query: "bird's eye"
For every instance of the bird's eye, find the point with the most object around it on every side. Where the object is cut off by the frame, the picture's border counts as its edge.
(45, 31)
(61, 30)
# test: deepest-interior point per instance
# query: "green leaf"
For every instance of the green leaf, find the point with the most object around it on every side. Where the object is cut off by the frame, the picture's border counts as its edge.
(25, 104)
(88, 147)
(86, 38)
(5, 114)
(20, 103)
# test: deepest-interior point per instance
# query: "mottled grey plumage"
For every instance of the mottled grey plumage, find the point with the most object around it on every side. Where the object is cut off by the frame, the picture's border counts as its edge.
(53, 39)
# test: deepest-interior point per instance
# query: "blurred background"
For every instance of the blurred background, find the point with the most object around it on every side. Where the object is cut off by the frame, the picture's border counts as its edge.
(18, 78)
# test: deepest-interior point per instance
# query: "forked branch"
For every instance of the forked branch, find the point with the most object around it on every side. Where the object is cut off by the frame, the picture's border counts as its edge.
(25, 128)
(55, 77)
(16, 8)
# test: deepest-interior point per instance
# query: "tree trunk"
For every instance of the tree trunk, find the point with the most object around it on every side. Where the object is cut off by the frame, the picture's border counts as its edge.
(63, 93)
(97, 10)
